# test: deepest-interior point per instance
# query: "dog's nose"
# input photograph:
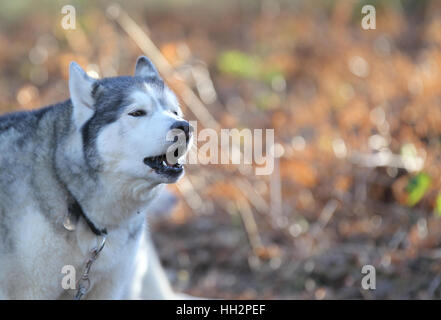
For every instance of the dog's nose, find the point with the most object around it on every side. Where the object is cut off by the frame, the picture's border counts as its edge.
(184, 126)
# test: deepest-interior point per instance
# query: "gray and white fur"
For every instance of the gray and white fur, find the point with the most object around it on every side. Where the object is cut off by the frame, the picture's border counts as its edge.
(97, 149)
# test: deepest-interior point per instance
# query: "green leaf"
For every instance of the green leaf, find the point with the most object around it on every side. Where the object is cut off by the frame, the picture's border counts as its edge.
(243, 65)
(239, 64)
(417, 187)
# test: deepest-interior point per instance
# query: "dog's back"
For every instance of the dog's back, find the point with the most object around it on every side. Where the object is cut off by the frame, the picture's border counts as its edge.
(26, 181)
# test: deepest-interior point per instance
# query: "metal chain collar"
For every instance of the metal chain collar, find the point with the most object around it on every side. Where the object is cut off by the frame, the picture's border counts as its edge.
(83, 284)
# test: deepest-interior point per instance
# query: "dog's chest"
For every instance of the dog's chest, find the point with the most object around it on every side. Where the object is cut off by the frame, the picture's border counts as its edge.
(113, 265)
(119, 247)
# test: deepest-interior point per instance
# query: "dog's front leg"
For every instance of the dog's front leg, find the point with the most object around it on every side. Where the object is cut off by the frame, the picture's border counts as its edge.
(149, 280)
(109, 287)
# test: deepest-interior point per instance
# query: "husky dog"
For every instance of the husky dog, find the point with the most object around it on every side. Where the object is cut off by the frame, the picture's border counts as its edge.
(81, 170)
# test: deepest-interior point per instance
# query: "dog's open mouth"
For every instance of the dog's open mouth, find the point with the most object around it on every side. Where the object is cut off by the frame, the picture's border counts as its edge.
(162, 166)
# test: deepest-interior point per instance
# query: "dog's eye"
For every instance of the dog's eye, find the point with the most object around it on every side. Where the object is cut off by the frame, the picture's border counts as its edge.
(175, 112)
(137, 113)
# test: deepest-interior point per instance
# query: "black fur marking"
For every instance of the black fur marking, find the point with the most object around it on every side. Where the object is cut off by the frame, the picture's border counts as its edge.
(95, 89)
(76, 210)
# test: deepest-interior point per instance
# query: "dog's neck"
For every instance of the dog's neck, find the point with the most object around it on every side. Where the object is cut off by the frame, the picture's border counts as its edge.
(116, 198)
(110, 199)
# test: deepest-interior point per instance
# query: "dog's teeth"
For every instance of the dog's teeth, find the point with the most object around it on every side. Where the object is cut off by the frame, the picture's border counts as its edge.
(164, 164)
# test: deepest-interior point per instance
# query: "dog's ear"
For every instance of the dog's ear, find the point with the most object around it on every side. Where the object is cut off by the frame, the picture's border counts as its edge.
(145, 68)
(81, 87)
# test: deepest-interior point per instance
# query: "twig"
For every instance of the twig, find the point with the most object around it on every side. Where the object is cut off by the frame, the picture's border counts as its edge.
(387, 159)
(325, 216)
(256, 199)
(191, 197)
(250, 225)
(276, 195)
(165, 68)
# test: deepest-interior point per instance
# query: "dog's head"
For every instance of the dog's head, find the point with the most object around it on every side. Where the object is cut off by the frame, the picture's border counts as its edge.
(130, 125)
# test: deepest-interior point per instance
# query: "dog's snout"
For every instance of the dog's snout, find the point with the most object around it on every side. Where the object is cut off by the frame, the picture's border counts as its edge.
(184, 126)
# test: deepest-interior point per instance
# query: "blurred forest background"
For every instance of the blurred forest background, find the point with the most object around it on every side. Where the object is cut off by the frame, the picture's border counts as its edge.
(357, 119)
